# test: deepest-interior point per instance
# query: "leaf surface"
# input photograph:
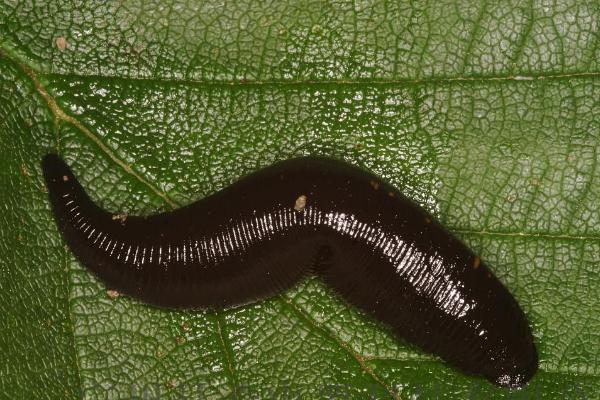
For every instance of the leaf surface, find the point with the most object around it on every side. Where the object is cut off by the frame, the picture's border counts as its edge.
(487, 115)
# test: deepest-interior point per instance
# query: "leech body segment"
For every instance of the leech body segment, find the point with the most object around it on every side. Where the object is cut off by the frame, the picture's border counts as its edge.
(374, 247)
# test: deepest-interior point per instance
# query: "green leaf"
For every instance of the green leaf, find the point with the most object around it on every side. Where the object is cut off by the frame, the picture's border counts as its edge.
(487, 115)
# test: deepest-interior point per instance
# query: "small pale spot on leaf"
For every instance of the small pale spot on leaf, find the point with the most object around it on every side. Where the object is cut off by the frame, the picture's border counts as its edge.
(172, 384)
(25, 171)
(61, 43)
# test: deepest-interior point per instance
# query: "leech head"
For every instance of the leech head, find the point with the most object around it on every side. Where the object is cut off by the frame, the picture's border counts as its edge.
(56, 172)
(67, 197)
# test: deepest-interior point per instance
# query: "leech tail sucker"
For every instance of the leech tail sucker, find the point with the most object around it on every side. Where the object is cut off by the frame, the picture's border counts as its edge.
(374, 247)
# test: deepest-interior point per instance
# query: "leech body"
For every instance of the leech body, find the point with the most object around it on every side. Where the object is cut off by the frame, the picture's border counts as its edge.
(261, 235)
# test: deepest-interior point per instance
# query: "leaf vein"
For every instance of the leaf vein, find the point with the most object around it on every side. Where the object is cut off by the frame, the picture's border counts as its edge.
(535, 235)
(60, 115)
(226, 351)
(307, 319)
(525, 79)
(70, 316)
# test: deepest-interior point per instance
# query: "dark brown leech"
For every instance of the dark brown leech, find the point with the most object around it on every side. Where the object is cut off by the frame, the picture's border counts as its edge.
(261, 235)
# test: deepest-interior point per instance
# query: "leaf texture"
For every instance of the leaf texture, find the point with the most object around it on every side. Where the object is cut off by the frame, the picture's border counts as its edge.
(486, 114)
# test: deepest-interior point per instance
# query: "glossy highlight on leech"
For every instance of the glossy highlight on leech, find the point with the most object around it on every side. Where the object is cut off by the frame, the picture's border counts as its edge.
(374, 247)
